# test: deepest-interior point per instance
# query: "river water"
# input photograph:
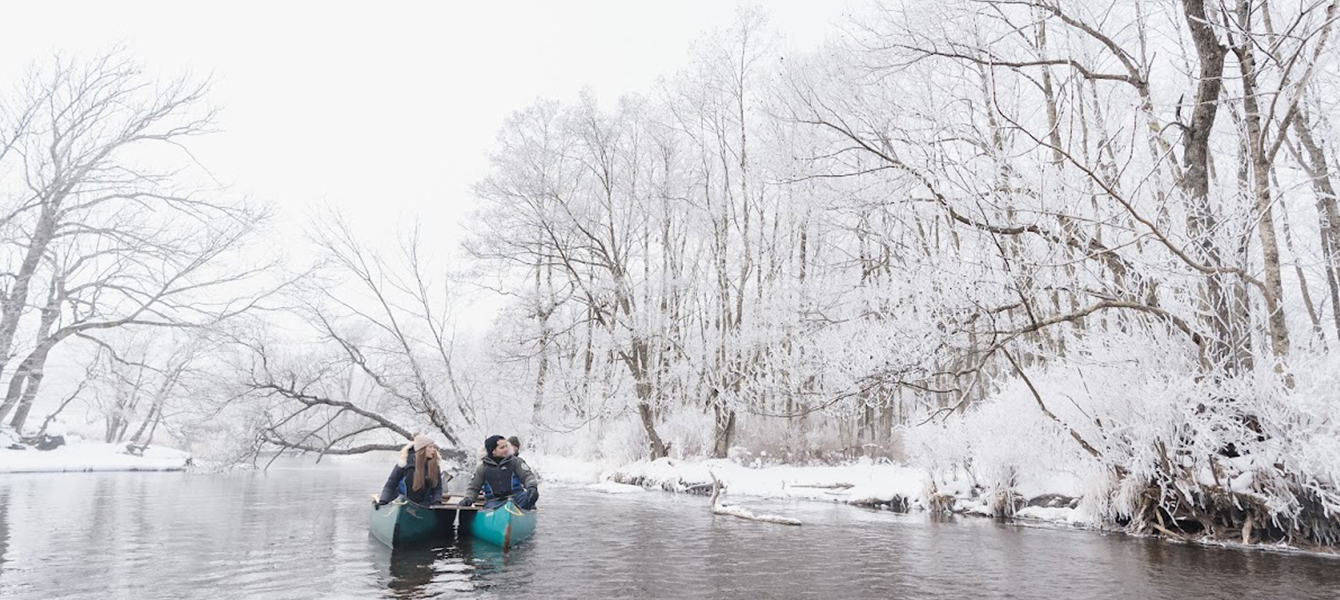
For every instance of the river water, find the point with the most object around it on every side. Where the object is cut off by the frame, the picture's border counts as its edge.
(301, 532)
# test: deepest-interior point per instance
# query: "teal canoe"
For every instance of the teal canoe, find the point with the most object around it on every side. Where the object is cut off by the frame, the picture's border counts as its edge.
(505, 526)
(402, 522)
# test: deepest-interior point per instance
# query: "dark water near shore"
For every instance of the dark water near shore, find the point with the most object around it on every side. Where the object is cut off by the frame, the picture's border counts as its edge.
(302, 533)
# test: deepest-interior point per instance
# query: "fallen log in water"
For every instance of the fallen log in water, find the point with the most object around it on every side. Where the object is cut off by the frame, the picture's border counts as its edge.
(742, 512)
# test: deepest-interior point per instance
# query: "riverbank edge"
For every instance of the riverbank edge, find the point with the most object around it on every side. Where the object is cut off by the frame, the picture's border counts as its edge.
(89, 457)
(877, 486)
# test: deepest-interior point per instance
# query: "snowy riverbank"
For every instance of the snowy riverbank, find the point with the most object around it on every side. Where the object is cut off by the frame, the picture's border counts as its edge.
(82, 456)
(862, 483)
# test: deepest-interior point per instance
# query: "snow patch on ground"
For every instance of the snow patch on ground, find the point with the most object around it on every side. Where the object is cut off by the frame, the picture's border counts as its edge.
(862, 482)
(1050, 484)
(81, 456)
(609, 487)
(970, 506)
(561, 469)
(1073, 516)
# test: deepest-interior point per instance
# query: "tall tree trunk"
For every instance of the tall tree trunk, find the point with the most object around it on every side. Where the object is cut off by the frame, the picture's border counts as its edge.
(588, 363)
(144, 425)
(1256, 146)
(1303, 287)
(1328, 215)
(149, 439)
(1201, 218)
(27, 379)
(637, 362)
(544, 309)
(725, 431)
(1058, 164)
(12, 305)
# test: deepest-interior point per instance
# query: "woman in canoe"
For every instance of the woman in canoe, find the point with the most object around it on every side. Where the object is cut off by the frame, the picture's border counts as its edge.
(502, 475)
(418, 475)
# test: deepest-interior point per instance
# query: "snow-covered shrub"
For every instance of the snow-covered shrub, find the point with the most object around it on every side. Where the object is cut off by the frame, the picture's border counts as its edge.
(794, 441)
(1229, 457)
(995, 446)
(622, 440)
(688, 432)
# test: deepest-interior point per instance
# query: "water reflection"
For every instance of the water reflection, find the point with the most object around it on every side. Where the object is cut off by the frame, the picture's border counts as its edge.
(4, 526)
(487, 558)
(450, 567)
(303, 533)
(416, 572)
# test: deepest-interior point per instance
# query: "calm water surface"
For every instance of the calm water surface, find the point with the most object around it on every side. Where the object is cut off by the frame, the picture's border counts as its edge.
(302, 533)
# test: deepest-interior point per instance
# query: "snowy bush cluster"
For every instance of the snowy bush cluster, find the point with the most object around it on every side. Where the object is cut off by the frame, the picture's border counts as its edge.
(1251, 445)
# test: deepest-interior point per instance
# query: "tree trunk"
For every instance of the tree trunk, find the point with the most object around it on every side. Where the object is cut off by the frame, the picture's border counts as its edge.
(1201, 218)
(30, 378)
(725, 431)
(1306, 293)
(637, 366)
(1328, 215)
(144, 425)
(1270, 251)
(27, 379)
(13, 304)
(153, 428)
(542, 371)
(1066, 223)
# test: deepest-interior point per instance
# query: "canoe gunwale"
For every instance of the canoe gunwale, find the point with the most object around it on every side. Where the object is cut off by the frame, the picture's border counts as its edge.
(403, 522)
(504, 526)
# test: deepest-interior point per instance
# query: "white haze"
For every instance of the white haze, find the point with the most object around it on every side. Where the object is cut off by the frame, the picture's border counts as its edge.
(387, 115)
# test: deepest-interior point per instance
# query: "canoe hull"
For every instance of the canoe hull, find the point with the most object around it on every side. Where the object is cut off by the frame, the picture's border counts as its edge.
(505, 526)
(400, 523)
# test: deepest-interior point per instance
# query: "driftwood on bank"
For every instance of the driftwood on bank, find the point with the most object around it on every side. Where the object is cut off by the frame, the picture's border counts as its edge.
(742, 512)
(821, 486)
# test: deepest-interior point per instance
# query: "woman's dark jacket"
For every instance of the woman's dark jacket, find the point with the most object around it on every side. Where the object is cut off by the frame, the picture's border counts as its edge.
(401, 482)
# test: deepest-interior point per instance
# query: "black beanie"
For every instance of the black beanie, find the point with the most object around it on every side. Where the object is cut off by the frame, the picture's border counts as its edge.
(491, 443)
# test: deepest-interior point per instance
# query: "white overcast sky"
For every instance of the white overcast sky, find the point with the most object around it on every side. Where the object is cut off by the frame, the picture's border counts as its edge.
(385, 110)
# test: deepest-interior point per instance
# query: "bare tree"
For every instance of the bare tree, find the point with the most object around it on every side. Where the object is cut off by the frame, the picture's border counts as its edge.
(386, 357)
(117, 243)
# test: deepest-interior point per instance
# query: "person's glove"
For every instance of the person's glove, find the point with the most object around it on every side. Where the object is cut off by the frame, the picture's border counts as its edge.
(467, 501)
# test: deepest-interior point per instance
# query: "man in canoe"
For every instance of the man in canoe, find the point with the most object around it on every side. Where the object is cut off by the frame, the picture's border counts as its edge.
(502, 475)
(417, 476)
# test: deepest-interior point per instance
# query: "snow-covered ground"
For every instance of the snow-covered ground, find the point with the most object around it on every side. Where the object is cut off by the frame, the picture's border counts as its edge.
(82, 456)
(865, 483)
(860, 483)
